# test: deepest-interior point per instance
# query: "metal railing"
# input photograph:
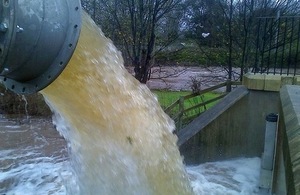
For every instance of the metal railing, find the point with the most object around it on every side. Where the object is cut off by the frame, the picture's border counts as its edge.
(277, 46)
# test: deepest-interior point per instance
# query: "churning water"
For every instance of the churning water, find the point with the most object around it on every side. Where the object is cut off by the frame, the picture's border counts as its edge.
(33, 157)
(119, 139)
(34, 161)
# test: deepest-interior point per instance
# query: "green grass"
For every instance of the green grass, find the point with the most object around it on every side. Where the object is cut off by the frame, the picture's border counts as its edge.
(166, 98)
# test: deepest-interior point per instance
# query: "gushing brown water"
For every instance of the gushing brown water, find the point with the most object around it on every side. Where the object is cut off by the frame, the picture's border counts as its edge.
(121, 140)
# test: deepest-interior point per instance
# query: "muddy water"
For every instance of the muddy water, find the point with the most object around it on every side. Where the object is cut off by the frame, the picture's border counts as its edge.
(34, 161)
(179, 78)
(121, 141)
(33, 157)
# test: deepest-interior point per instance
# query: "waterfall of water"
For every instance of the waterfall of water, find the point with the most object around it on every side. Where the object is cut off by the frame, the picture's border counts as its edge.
(121, 140)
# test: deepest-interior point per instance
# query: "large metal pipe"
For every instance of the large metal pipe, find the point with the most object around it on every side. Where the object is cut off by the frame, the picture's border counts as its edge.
(37, 39)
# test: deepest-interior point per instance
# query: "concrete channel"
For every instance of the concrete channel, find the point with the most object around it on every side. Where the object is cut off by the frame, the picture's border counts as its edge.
(236, 127)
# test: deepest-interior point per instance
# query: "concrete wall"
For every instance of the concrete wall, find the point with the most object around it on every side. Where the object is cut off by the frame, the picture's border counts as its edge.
(238, 131)
(289, 142)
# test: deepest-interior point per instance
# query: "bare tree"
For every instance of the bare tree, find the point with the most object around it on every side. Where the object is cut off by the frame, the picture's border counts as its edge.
(133, 25)
(224, 29)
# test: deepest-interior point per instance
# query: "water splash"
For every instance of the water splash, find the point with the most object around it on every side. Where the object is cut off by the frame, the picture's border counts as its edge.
(26, 107)
(234, 177)
(121, 140)
(32, 158)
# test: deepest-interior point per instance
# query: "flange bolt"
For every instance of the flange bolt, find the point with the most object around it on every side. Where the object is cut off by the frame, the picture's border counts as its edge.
(3, 27)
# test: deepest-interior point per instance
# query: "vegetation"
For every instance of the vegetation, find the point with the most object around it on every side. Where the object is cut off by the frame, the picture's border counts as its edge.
(229, 33)
(193, 56)
(132, 24)
(166, 98)
(20, 105)
(190, 108)
(183, 107)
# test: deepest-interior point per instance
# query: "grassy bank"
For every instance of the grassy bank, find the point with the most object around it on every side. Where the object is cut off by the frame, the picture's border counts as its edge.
(166, 98)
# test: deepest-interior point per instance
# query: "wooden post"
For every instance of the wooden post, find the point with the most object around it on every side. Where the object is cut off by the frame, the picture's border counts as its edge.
(181, 109)
(228, 86)
(204, 106)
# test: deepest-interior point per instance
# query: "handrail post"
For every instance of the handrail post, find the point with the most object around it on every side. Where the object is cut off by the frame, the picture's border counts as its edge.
(202, 99)
(181, 110)
(228, 86)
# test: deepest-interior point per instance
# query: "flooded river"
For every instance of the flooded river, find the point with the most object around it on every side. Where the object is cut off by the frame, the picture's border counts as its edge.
(181, 78)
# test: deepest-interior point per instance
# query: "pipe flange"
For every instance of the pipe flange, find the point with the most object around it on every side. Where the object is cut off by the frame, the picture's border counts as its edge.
(5, 29)
(37, 40)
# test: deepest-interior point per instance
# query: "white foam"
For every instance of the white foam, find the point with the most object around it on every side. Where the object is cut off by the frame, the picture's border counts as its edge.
(234, 177)
(26, 171)
(13, 126)
(45, 177)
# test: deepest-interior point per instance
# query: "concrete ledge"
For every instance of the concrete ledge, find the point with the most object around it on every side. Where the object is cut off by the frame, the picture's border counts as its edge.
(269, 82)
(296, 80)
(290, 102)
(254, 81)
(273, 83)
